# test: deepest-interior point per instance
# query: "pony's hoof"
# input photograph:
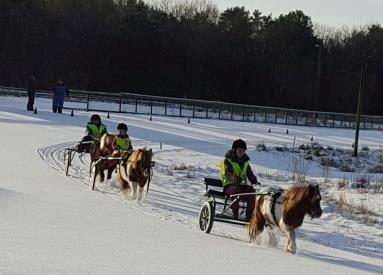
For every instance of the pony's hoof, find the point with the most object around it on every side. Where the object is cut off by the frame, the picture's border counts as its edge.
(291, 251)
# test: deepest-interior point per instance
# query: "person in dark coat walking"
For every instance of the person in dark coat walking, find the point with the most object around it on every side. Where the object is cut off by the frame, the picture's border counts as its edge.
(59, 92)
(31, 92)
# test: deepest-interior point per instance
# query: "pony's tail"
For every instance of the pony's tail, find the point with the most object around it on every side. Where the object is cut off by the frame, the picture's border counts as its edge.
(257, 221)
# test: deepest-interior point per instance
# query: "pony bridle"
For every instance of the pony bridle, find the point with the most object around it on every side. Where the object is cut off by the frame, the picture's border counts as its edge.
(316, 197)
(145, 164)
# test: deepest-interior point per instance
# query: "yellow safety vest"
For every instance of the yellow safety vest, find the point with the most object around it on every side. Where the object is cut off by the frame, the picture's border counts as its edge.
(236, 169)
(123, 144)
(95, 131)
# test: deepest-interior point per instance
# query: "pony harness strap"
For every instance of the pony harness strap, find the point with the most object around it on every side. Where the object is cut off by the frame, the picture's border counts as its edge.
(272, 195)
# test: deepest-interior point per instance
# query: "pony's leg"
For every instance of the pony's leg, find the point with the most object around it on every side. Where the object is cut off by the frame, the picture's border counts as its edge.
(140, 191)
(292, 248)
(285, 228)
(271, 235)
(258, 237)
(133, 186)
(125, 193)
(290, 245)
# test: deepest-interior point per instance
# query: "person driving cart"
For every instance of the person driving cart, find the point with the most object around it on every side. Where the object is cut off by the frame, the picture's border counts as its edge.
(95, 129)
(235, 171)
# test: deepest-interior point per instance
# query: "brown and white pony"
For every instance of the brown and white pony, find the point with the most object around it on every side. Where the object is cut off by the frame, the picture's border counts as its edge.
(134, 172)
(276, 208)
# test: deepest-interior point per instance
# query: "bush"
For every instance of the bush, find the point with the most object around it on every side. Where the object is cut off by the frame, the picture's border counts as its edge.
(342, 183)
(346, 168)
(376, 169)
(302, 147)
(261, 147)
(326, 161)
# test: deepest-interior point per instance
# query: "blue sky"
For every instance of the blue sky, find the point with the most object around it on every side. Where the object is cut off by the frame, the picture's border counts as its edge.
(335, 13)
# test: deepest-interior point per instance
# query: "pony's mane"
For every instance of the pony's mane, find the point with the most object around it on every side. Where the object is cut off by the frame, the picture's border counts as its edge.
(106, 144)
(295, 196)
(137, 155)
(296, 192)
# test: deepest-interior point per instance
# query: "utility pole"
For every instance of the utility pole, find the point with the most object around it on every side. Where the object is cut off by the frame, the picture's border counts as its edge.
(360, 104)
(318, 71)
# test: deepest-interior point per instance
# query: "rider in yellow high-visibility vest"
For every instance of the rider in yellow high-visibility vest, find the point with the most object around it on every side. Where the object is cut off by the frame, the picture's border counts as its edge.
(94, 131)
(121, 144)
(235, 171)
(122, 141)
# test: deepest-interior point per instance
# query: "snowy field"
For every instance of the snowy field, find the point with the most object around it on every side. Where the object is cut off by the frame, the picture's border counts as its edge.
(53, 224)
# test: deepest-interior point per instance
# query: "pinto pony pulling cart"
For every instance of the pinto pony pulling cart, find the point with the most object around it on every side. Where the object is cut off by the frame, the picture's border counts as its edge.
(275, 208)
(133, 168)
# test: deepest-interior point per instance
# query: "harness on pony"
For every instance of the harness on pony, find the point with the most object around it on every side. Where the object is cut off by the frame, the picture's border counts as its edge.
(274, 195)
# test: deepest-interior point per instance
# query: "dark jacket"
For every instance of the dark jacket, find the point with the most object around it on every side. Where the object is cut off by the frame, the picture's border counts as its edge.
(59, 92)
(229, 171)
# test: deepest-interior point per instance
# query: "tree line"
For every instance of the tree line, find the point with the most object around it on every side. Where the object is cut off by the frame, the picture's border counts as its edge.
(190, 49)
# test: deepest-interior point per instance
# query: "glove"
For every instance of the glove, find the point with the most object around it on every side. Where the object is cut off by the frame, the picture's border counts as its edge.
(237, 179)
(254, 181)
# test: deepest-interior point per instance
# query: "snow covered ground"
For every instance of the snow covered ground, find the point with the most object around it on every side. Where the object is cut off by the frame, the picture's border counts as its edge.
(54, 224)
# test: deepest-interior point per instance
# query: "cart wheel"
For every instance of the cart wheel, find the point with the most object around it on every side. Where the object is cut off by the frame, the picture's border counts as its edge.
(67, 162)
(206, 217)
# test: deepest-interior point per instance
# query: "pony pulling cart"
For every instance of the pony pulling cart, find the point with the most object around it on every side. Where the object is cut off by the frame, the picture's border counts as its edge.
(275, 208)
(133, 168)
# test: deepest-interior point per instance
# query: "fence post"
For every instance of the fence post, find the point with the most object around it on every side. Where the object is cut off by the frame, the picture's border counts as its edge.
(286, 118)
(166, 105)
(87, 102)
(325, 119)
(136, 106)
(255, 113)
(243, 115)
(120, 103)
(296, 119)
(180, 109)
(207, 110)
(265, 116)
(193, 111)
(219, 112)
(276, 117)
(231, 115)
(151, 107)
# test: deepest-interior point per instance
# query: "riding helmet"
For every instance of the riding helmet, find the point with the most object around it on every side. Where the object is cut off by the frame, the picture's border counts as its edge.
(95, 118)
(239, 143)
(122, 126)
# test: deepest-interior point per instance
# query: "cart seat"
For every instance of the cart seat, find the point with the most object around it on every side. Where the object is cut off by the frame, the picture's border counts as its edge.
(213, 182)
(215, 194)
